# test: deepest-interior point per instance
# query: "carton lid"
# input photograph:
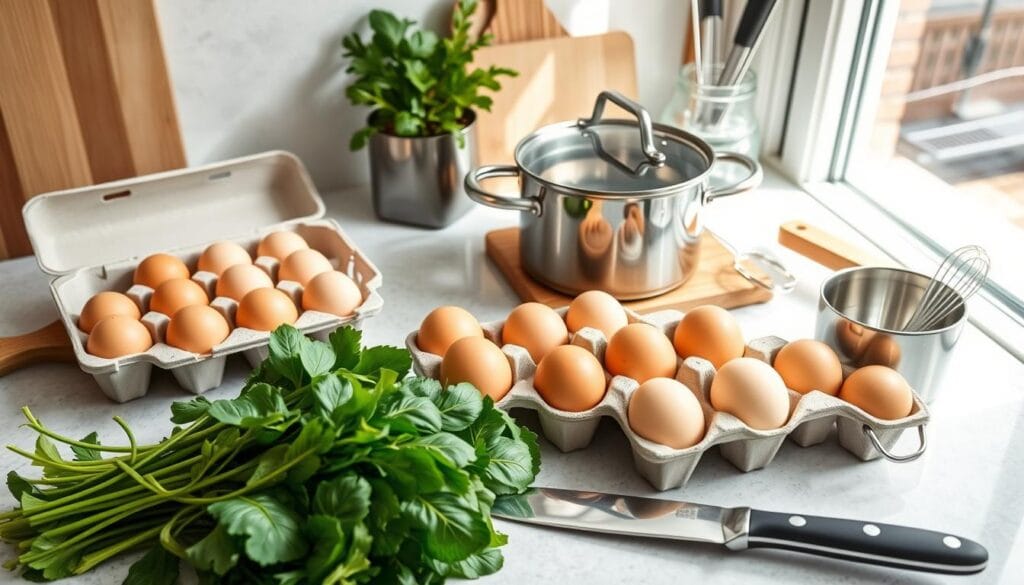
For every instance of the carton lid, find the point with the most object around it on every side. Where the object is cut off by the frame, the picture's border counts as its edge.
(162, 212)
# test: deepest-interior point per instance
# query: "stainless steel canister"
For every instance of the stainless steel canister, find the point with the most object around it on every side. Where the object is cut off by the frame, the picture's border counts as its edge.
(419, 180)
(861, 312)
(611, 204)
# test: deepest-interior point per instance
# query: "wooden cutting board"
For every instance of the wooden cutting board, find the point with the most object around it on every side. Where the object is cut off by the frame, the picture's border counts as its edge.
(715, 283)
(559, 79)
(84, 98)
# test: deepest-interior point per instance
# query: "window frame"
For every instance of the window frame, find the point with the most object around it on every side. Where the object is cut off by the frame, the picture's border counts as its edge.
(835, 81)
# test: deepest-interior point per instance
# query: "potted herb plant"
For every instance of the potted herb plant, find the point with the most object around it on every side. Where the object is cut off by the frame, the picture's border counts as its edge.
(421, 132)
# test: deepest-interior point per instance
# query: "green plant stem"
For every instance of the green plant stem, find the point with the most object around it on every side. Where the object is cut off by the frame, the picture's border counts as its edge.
(95, 558)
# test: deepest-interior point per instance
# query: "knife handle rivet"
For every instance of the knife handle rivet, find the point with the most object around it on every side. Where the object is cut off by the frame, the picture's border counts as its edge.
(797, 521)
(951, 541)
(872, 530)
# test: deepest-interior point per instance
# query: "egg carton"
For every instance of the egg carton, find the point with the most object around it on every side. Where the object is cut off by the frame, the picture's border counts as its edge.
(217, 201)
(811, 416)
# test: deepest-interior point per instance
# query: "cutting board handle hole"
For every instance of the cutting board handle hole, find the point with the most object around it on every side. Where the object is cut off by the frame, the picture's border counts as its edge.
(117, 195)
(220, 175)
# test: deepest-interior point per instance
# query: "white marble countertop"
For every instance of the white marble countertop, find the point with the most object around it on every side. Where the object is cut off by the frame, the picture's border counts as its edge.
(968, 483)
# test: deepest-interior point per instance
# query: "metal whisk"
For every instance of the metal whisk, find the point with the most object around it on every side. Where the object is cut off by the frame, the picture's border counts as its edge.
(959, 276)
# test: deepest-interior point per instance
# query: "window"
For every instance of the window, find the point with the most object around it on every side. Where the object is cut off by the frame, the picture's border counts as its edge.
(911, 127)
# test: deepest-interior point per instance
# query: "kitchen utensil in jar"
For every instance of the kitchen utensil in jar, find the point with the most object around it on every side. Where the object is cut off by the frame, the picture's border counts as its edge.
(611, 204)
(760, 268)
(741, 528)
(736, 130)
(961, 274)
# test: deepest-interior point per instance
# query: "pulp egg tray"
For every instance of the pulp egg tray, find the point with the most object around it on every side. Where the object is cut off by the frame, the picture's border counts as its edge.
(93, 238)
(812, 415)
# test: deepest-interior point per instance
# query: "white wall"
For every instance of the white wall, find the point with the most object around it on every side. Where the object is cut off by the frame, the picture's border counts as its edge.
(254, 75)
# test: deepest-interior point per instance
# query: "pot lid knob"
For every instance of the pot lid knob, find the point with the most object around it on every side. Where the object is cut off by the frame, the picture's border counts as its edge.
(653, 155)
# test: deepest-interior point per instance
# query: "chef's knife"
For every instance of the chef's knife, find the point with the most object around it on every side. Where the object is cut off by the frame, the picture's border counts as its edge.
(741, 528)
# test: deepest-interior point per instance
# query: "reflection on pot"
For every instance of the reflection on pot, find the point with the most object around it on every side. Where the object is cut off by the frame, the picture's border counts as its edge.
(595, 239)
(631, 232)
(861, 346)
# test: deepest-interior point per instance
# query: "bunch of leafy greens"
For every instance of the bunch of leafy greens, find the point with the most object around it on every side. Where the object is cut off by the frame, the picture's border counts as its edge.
(329, 467)
(418, 84)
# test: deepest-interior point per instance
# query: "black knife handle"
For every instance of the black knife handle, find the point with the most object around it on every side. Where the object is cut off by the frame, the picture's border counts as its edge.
(710, 8)
(755, 14)
(867, 542)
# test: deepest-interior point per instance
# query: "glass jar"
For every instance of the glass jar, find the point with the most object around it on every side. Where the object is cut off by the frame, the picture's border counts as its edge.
(721, 115)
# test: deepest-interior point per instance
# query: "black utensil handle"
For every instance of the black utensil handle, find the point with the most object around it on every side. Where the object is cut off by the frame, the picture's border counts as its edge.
(867, 542)
(755, 14)
(710, 8)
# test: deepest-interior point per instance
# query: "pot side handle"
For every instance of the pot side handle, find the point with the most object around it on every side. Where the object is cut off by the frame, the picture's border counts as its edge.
(751, 181)
(477, 193)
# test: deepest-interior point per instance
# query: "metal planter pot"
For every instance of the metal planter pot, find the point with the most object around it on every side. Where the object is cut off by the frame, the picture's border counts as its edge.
(613, 205)
(419, 181)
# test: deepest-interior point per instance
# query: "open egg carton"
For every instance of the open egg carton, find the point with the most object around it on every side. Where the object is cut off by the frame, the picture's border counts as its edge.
(93, 238)
(811, 416)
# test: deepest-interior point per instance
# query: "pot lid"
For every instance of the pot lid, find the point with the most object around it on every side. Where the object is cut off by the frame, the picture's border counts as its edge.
(615, 156)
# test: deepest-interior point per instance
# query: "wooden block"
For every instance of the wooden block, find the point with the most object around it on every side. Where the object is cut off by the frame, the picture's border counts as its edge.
(715, 282)
(824, 248)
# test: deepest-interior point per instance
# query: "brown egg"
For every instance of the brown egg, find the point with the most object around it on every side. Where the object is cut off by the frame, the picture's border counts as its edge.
(640, 351)
(570, 378)
(219, 256)
(709, 332)
(596, 309)
(105, 304)
(752, 391)
(479, 362)
(879, 391)
(280, 244)
(264, 309)
(173, 295)
(157, 268)
(536, 327)
(665, 411)
(332, 292)
(197, 328)
(236, 281)
(118, 335)
(807, 365)
(444, 326)
(302, 265)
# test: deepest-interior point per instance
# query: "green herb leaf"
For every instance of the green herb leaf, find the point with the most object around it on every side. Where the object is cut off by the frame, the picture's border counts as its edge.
(485, 562)
(188, 411)
(85, 453)
(54, 560)
(271, 531)
(454, 449)
(216, 552)
(156, 567)
(460, 404)
(329, 539)
(329, 393)
(18, 485)
(346, 498)
(317, 357)
(412, 414)
(346, 343)
(509, 469)
(285, 353)
(257, 407)
(454, 530)
(384, 357)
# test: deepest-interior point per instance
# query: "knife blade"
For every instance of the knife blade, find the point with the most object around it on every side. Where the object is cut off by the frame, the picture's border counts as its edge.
(742, 528)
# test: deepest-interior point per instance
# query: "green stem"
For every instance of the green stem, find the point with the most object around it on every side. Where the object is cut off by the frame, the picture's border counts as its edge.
(95, 558)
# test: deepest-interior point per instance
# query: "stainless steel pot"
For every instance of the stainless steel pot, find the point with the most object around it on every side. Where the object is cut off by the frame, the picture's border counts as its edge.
(611, 204)
(860, 315)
